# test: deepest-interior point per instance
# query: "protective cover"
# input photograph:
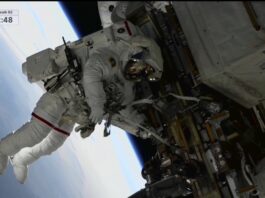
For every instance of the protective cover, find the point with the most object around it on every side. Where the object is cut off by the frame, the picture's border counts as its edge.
(228, 50)
(40, 66)
(105, 9)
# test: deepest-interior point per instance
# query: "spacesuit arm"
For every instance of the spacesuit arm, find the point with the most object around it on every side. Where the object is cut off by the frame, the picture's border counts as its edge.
(93, 86)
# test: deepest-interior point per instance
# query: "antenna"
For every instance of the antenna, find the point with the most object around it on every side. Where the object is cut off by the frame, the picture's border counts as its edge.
(64, 41)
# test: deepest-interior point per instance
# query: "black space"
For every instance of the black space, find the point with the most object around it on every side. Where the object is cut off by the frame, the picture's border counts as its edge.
(84, 16)
(85, 19)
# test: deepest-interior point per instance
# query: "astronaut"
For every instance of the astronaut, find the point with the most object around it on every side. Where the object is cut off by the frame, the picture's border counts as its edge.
(111, 60)
(131, 58)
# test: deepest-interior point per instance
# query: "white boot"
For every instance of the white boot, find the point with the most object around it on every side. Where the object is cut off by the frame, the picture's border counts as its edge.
(20, 163)
(3, 163)
(21, 172)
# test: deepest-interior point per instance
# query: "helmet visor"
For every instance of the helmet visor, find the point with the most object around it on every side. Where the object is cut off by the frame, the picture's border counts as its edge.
(137, 70)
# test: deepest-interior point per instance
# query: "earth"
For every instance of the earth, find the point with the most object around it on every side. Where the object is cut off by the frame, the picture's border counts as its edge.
(95, 167)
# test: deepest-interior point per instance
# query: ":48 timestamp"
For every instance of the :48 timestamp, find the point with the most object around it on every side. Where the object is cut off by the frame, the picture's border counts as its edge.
(9, 17)
(6, 19)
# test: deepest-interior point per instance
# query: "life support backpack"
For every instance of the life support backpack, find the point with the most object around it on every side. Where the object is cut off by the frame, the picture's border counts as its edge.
(49, 63)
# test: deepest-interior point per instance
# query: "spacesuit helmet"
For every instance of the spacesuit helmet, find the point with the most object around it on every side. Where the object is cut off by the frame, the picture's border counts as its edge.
(137, 68)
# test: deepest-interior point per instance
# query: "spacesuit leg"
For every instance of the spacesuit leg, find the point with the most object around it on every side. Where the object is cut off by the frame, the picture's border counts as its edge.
(28, 155)
(45, 116)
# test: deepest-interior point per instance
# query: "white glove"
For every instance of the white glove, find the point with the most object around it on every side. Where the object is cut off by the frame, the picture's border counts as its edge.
(96, 115)
(85, 131)
(144, 135)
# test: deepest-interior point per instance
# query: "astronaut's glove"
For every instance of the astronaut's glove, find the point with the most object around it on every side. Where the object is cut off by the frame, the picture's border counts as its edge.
(85, 130)
(144, 134)
(96, 115)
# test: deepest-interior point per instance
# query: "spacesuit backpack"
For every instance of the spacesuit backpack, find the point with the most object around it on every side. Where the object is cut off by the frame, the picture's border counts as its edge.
(41, 66)
(55, 67)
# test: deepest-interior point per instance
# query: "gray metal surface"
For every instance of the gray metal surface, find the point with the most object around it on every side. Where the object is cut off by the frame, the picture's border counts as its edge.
(228, 51)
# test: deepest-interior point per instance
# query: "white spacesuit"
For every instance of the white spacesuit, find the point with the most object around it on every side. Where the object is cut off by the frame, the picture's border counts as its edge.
(130, 58)
(111, 60)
